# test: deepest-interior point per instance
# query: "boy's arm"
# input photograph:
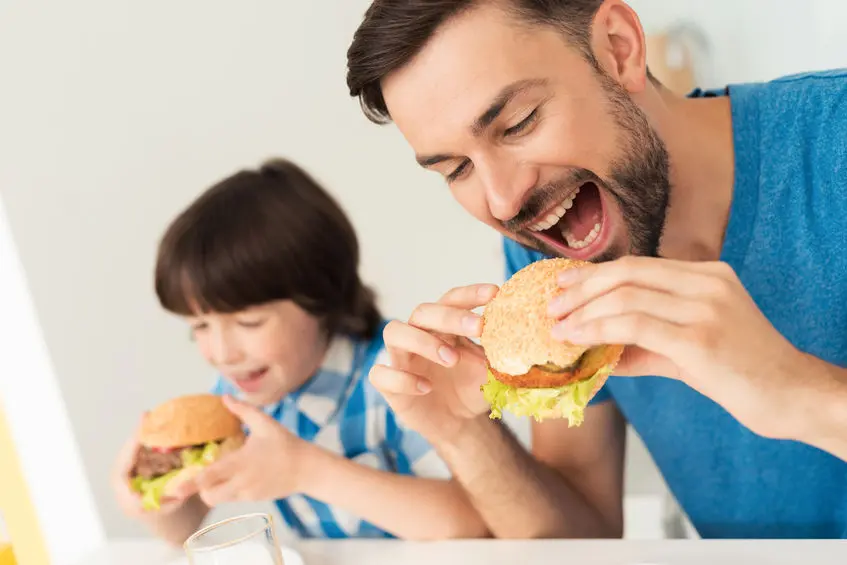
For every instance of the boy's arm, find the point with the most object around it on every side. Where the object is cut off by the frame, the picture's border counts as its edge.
(174, 521)
(175, 527)
(409, 507)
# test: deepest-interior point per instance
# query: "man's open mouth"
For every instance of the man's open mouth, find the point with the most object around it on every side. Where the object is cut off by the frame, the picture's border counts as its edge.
(574, 226)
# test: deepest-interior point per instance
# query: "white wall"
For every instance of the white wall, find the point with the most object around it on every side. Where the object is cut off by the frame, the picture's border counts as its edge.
(115, 114)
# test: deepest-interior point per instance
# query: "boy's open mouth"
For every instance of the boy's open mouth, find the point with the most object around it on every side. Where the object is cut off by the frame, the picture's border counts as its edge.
(250, 382)
(574, 226)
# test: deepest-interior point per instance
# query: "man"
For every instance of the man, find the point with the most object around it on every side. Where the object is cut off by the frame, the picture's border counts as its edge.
(716, 227)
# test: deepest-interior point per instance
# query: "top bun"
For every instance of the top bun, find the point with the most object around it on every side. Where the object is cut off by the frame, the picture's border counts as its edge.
(189, 420)
(516, 328)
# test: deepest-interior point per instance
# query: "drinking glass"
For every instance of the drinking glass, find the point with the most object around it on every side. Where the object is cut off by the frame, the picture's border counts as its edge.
(250, 538)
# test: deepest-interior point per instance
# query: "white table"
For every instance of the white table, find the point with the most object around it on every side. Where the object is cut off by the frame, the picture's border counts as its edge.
(502, 552)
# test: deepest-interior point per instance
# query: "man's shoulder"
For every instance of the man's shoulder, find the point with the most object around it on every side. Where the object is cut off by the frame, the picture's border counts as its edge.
(795, 101)
(518, 256)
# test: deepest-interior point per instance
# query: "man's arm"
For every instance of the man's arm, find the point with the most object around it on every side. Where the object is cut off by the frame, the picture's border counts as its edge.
(411, 508)
(573, 487)
(821, 418)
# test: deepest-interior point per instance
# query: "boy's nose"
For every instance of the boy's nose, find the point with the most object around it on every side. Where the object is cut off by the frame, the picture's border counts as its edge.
(225, 352)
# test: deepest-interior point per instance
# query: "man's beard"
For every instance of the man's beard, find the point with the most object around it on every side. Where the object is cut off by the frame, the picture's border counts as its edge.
(639, 180)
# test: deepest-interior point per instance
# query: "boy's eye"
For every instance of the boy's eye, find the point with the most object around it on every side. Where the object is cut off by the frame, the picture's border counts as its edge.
(251, 323)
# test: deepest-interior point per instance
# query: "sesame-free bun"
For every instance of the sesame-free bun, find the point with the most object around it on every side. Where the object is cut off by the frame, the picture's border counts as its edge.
(516, 335)
(189, 420)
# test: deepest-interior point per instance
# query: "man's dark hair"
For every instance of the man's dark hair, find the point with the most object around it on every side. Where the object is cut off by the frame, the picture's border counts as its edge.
(394, 31)
(264, 235)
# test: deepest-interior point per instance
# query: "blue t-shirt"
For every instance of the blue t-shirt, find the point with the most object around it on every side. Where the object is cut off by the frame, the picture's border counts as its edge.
(787, 241)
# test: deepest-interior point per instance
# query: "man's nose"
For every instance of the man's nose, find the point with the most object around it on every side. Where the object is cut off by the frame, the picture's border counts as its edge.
(507, 186)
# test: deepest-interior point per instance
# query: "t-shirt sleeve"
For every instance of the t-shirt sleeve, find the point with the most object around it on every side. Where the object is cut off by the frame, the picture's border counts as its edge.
(411, 453)
(516, 258)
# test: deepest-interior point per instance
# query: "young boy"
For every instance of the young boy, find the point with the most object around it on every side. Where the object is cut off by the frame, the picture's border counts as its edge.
(264, 267)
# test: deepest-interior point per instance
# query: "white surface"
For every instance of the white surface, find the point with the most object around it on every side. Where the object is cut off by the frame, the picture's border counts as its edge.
(116, 113)
(511, 552)
(244, 555)
(41, 433)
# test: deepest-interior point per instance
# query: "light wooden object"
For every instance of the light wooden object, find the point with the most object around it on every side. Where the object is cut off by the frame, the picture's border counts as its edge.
(670, 60)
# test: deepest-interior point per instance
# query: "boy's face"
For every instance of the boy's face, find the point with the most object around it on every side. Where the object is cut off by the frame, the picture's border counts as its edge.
(532, 139)
(266, 351)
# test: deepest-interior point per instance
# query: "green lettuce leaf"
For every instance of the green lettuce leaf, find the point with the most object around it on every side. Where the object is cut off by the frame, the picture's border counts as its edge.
(568, 401)
(151, 490)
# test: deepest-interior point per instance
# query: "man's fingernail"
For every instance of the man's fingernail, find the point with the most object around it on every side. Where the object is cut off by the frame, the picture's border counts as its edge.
(447, 354)
(564, 331)
(558, 331)
(470, 322)
(424, 386)
(486, 291)
(554, 307)
(567, 277)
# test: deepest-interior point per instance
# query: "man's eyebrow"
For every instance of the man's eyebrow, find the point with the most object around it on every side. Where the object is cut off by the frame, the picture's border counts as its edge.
(426, 161)
(506, 95)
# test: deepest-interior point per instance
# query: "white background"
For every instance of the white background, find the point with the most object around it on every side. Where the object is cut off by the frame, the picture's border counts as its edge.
(115, 114)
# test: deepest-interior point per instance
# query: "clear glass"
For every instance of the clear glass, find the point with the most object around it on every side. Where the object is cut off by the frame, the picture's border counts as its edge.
(236, 541)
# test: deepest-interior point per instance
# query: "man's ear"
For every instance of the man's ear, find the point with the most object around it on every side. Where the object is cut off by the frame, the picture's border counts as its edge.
(619, 45)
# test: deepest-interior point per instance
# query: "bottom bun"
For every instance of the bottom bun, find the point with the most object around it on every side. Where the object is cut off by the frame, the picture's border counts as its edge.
(546, 403)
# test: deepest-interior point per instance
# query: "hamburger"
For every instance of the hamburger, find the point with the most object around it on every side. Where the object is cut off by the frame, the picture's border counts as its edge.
(177, 440)
(529, 372)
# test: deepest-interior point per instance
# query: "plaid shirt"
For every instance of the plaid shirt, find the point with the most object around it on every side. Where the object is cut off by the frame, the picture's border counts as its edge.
(339, 410)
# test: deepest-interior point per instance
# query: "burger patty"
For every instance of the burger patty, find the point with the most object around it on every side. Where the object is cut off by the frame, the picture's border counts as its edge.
(546, 376)
(150, 464)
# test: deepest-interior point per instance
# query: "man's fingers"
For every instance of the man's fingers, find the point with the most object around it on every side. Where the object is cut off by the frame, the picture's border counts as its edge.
(588, 283)
(633, 300)
(393, 381)
(449, 320)
(403, 337)
(469, 297)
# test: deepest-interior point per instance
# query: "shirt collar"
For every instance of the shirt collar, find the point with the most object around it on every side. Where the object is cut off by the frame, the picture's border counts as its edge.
(328, 385)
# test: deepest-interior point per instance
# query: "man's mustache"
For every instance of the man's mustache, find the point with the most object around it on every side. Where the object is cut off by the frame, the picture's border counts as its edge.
(543, 197)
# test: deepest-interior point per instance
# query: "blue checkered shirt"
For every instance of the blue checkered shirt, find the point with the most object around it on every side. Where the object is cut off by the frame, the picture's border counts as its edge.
(339, 410)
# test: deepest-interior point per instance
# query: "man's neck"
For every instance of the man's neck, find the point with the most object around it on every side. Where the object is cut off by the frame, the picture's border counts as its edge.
(698, 135)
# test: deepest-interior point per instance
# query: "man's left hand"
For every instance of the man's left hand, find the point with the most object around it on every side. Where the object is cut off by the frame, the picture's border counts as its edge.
(267, 467)
(691, 321)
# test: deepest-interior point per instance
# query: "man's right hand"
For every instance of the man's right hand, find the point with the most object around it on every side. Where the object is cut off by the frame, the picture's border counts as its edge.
(433, 383)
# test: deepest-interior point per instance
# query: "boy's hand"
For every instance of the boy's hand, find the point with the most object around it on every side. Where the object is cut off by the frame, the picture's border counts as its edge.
(267, 467)
(129, 500)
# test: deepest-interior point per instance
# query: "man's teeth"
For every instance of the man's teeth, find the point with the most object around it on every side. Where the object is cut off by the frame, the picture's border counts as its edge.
(577, 244)
(556, 214)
